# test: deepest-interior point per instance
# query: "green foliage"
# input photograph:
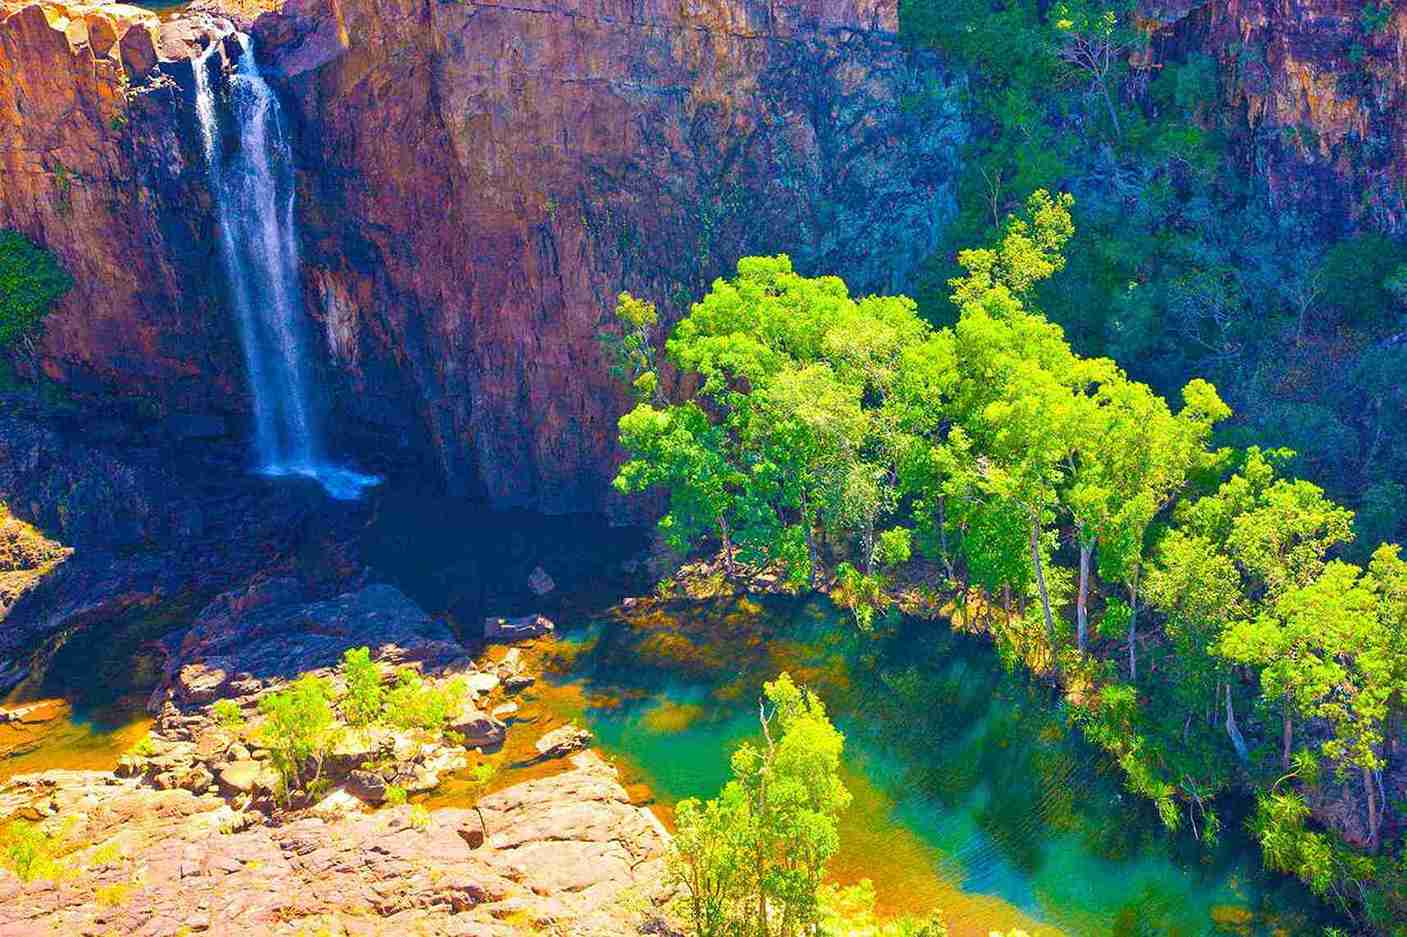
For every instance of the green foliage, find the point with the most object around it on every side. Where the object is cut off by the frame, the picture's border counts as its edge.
(412, 703)
(31, 281)
(363, 700)
(395, 795)
(227, 714)
(850, 434)
(30, 852)
(632, 352)
(1376, 17)
(300, 730)
(753, 859)
(850, 912)
(419, 817)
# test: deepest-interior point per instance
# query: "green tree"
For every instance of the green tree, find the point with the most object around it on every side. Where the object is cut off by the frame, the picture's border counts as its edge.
(633, 350)
(31, 281)
(753, 859)
(362, 703)
(300, 729)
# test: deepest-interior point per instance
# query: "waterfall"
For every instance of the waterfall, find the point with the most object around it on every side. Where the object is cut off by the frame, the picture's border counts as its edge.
(253, 190)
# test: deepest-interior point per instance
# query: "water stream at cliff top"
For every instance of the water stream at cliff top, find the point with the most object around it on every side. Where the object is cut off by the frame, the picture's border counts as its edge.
(254, 192)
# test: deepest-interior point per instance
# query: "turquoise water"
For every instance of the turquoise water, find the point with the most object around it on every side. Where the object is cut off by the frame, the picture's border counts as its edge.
(972, 796)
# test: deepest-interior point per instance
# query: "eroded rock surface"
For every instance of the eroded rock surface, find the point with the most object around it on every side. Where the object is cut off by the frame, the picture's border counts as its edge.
(569, 852)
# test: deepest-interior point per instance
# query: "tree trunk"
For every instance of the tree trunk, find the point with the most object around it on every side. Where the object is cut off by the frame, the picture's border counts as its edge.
(1082, 604)
(1287, 734)
(1040, 586)
(1372, 809)
(1133, 628)
(1237, 740)
(726, 536)
(1113, 111)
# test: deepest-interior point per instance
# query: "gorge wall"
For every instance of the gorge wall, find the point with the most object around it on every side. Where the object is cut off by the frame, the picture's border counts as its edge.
(1319, 93)
(478, 180)
(476, 184)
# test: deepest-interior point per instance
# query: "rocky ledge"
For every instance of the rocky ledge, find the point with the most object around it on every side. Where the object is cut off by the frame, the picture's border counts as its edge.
(567, 852)
(194, 833)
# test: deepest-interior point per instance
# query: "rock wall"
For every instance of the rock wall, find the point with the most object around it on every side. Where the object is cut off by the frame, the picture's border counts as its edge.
(99, 162)
(477, 183)
(1318, 91)
(483, 179)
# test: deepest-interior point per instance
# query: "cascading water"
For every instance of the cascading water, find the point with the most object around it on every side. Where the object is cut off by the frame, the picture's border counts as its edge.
(253, 191)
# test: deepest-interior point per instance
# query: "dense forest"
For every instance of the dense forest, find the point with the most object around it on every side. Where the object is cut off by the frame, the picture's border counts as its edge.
(1197, 603)
(1187, 264)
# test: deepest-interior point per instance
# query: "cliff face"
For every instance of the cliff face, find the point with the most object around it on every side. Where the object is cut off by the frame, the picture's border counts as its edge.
(483, 179)
(98, 162)
(1319, 89)
(477, 183)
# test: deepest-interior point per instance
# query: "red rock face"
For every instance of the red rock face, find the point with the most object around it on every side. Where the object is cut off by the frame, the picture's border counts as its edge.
(484, 179)
(1320, 91)
(96, 164)
(477, 184)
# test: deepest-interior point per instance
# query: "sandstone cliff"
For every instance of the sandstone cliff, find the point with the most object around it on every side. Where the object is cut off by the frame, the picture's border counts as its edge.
(1318, 89)
(477, 182)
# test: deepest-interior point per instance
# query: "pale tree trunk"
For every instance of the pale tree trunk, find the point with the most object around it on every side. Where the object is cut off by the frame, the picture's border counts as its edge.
(1372, 809)
(1237, 740)
(726, 536)
(1040, 586)
(1287, 734)
(1082, 604)
(812, 553)
(1133, 628)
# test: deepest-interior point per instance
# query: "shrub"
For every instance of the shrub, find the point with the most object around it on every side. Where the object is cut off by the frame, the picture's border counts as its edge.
(299, 728)
(31, 853)
(419, 817)
(30, 282)
(362, 704)
(227, 714)
(414, 704)
(395, 795)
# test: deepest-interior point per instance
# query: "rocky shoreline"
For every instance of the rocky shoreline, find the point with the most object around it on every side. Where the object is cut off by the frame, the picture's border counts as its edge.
(192, 834)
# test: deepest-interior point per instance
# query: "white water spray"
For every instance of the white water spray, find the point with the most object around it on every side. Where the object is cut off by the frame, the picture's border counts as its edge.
(254, 191)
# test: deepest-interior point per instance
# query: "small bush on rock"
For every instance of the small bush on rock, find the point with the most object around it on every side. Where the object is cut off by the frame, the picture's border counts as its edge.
(299, 729)
(227, 714)
(362, 704)
(414, 704)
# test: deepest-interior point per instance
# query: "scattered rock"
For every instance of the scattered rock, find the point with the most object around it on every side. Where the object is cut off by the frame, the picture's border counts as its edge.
(505, 711)
(481, 683)
(540, 583)
(562, 741)
(247, 777)
(339, 803)
(479, 730)
(367, 786)
(198, 684)
(506, 630)
(519, 681)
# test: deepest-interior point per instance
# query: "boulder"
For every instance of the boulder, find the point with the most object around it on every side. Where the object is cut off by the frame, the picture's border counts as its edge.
(198, 684)
(506, 630)
(479, 729)
(505, 711)
(539, 582)
(247, 777)
(367, 786)
(562, 741)
(481, 683)
(138, 52)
